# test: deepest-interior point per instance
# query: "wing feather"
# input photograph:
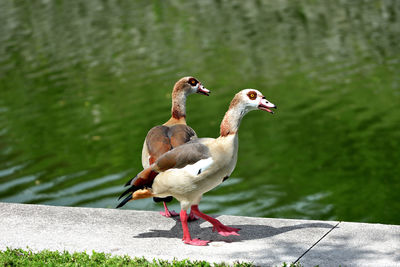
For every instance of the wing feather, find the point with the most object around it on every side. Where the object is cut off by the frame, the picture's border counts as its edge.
(182, 156)
(160, 139)
(158, 142)
(180, 134)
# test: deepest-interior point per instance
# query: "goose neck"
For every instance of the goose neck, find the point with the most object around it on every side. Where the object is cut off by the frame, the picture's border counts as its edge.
(178, 110)
(231, 122)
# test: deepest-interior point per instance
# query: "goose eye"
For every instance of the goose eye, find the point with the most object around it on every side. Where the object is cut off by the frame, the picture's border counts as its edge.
(252, 95)
(193, 81)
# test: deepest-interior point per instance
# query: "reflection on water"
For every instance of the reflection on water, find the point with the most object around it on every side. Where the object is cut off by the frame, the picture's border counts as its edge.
(82, 82)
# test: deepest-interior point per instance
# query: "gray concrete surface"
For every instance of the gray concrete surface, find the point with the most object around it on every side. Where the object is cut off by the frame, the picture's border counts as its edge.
(263, 241)
(359, 244)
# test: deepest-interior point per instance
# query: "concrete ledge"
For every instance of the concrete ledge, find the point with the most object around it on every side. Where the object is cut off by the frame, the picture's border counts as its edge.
(263, 241)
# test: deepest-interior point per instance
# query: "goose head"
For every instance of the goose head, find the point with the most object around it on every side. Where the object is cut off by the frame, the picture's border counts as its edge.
(190, 85)
(252, 99)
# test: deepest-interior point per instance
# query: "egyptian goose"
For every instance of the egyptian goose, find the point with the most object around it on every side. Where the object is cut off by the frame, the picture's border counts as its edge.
(192, 169)
(174, 132)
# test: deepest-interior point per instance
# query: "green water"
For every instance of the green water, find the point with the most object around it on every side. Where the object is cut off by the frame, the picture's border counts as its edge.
(81, 83)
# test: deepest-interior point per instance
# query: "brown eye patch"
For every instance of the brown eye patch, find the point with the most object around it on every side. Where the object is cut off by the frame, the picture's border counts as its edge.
(252, 95)
(192, 81)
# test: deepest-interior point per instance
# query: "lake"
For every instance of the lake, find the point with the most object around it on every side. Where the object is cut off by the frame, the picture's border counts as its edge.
(81, 83)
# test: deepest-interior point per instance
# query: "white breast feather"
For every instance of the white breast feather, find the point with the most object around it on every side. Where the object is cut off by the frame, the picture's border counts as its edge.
(199, 166)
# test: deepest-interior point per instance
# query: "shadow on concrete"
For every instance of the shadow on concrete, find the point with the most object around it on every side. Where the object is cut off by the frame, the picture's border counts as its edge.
(247, 232)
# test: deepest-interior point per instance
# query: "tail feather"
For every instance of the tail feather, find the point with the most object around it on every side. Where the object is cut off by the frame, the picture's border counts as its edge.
(130, 181)
(131, 189)
(143, 180)
(124, 201)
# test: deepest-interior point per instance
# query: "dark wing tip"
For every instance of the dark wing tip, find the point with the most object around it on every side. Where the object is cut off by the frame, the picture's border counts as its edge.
(130, 181)
(124, 201)
(130, 189)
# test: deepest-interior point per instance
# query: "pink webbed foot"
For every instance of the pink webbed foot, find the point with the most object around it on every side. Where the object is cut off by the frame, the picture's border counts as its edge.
(196, 242)
(225, 230)
(217, 225)
(168, 213)
(186, 234)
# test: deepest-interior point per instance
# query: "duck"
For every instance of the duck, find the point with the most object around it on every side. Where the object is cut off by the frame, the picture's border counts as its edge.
(174, 132)
(194, 168)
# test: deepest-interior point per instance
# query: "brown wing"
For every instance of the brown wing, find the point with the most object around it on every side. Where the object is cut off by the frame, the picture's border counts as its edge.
(176, 158)
(158, 142)
(161, 139)
(180, 134)
(144, 178)
(179, 157)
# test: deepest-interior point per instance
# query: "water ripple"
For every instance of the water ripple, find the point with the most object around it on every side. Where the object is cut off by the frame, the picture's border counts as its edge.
(82, 82)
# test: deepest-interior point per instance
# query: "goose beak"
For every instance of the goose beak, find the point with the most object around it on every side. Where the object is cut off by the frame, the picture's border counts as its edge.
(266, 105)
(202, 90)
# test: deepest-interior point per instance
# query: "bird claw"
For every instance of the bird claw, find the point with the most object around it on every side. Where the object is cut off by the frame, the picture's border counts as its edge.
(168, 213)
(225, 230)
(196, 242)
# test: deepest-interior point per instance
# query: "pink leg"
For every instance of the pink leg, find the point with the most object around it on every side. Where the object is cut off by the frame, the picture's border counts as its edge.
(186, 235)
(168, 213)
(217, 225)
(192, 217)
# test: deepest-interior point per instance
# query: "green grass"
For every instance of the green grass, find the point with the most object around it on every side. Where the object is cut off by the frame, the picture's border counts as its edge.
(20, 257)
